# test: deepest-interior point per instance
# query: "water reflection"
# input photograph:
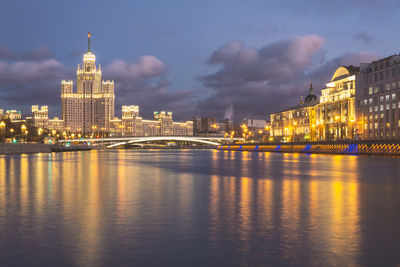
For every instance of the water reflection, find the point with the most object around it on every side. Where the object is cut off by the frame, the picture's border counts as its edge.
(197, 208)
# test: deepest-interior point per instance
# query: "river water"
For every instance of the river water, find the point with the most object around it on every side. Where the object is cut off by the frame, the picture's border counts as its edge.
(198, 208)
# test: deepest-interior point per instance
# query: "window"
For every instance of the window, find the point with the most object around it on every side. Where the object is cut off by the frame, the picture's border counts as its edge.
(381, 98)
(376, 108)
(376, 90)
(393, 85)
(370, 91)
(387, 106)
(387, 74)
(387, 87)
(381, 75)
(381, 107)
(387, 97)
(393, 72)
(393, 96)
(370, 101)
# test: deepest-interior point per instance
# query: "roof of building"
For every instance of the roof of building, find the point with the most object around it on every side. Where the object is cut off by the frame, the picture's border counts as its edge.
(344, 71)
(310, 100)
(311, 97)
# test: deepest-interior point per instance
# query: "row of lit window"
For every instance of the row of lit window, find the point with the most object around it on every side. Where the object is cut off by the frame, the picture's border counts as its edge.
(381, 99)
(376, 126)
(381, 134)
(382, 107)
(383, 87)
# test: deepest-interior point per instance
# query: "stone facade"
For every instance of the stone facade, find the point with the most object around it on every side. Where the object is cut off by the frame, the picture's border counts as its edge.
(378, 99)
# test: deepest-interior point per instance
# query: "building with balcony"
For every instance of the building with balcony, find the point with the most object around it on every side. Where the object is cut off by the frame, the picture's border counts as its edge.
(335, 114)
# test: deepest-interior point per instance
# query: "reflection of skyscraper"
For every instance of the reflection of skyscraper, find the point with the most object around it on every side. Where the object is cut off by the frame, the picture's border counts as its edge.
(91, 107)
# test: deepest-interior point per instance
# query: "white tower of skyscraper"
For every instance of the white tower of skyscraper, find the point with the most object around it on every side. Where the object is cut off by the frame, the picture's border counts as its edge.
(89, 109)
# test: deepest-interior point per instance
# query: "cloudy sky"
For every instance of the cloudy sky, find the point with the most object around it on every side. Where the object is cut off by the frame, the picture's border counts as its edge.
(219, 58)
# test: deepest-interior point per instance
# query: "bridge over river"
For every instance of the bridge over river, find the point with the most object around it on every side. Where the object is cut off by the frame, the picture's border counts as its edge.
(120, 141)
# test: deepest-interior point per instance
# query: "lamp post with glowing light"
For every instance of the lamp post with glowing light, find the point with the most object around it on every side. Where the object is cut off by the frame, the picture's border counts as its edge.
(2, 127)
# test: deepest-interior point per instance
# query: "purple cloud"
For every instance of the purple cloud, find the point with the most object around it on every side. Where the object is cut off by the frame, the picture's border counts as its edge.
(254, 81)
(144, 83)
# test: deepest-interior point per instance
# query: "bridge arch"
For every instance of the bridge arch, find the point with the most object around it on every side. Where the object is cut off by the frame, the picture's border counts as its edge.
(165, 138)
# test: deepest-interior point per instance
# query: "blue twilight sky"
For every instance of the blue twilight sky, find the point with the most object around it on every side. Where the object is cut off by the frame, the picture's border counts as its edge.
(223, 58)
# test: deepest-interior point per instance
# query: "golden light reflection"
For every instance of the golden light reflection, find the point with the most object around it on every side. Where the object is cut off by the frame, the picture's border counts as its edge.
(290, 208)
(24, 187)
(39, 185)
(120, 170)
(3, 171)
(245, 209)
(266, 200)
(312, 192)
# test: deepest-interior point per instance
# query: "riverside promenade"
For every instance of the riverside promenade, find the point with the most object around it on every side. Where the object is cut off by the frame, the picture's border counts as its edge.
(387, 147)
(8, 149)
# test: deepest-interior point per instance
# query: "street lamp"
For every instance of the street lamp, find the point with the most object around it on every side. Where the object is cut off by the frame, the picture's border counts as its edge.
(2, 127)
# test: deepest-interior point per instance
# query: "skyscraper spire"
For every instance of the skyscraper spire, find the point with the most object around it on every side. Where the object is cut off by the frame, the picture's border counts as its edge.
(311, 89)
(89, 34)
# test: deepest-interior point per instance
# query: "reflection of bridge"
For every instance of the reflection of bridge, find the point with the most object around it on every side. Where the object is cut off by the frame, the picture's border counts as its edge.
(119, 141)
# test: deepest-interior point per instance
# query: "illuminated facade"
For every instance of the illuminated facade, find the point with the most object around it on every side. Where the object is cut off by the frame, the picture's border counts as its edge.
(378, 99)
(13, 115)
(332, 118)
(295, 124)
(91, 108)
(40, 116)
(40, 119)
(131, 124)
(335, 114)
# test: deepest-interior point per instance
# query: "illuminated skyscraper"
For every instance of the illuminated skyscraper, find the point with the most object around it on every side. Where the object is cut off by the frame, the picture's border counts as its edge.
(89, 109)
